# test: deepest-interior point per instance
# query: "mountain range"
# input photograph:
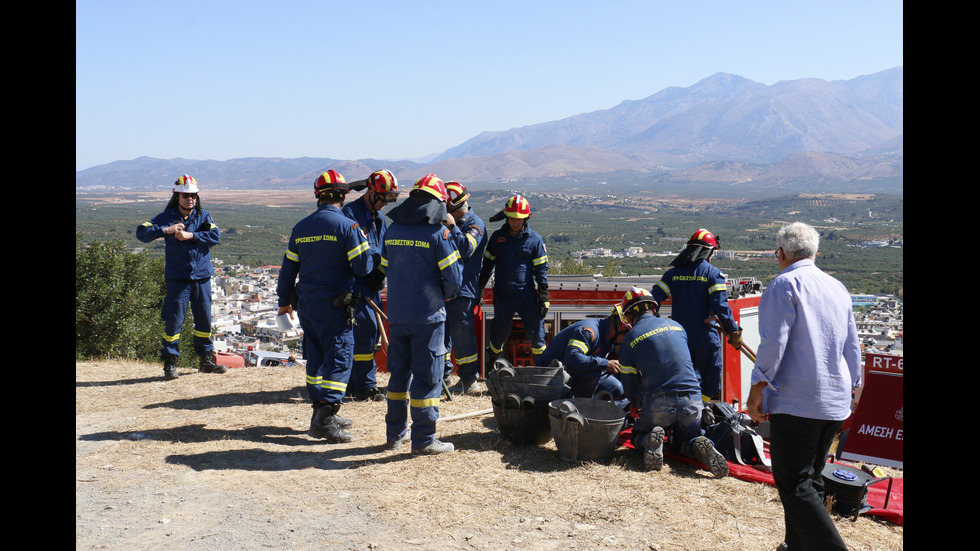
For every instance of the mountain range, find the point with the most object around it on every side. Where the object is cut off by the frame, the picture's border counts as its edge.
(807, 134)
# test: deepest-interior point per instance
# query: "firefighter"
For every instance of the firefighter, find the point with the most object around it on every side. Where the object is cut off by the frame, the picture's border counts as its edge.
(659, 378)
(188, 234)
(424, 271)
(326, 250)
(517, 257)
(382, 190)
(588, 351)
(460, 327)
(699, 292)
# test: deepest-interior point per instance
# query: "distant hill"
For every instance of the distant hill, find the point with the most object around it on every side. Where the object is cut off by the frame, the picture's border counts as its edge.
(801, 135)
(724, 117)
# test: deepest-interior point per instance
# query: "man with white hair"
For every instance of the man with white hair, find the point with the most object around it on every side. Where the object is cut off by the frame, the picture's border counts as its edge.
(807, 364)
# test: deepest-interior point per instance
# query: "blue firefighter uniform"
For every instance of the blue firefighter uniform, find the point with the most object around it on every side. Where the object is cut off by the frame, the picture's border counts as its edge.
(698, 289)
(423, 268)
(517, 264)
(188, 272)
(659, 378)
(582, 347)
(366, 331)
(460, 328)
(326, 250)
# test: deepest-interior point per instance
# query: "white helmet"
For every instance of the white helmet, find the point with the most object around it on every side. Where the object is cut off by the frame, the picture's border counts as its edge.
(186, 184)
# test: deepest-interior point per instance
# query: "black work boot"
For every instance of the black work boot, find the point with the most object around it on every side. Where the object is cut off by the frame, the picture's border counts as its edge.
(326, 424)
(209, 363)
(705, 452)
(316, 420)
(170, 368)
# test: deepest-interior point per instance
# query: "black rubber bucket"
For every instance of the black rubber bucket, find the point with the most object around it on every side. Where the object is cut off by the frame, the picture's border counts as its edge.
(541, 383)
(849, 486)
(585, 429)
(522, 420)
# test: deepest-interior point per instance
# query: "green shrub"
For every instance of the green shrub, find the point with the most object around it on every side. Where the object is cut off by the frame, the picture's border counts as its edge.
(118, 296)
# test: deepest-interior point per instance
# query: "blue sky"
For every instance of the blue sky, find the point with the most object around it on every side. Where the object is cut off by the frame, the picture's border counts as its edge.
(216, 79)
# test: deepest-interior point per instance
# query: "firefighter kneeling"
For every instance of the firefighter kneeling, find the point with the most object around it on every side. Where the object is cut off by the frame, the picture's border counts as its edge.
(659, 378)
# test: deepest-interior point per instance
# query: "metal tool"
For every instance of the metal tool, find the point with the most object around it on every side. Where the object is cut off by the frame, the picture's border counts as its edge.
(744, 348)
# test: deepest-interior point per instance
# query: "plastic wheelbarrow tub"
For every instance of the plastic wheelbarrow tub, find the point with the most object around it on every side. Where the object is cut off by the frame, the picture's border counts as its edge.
(585, 429)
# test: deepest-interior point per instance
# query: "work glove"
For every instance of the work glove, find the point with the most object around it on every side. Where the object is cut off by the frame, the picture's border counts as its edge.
(543, 303)
(735, 338)
(376, 279)
(707, 415)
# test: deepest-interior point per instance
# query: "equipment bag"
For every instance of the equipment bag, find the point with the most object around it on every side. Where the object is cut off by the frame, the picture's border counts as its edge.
(734, 440)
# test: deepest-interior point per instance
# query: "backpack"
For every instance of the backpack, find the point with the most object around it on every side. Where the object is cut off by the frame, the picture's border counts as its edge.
(735, 441)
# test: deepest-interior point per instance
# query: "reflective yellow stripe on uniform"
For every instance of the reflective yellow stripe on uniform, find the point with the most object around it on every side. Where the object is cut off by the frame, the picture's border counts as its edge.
(716, 288)
(424, 402)
(540, 260)
(472, 240)
(202, 334)
(314, 380)
(487, 255)
(496, 350)
(627, 370)
(290, 255)
(664, 287)
(352, 254)
(397, 395)
(580, 345)
(538, 351)
(334, 385)
(171, 338)
(449, 260)
(468, 359)
(363, 357)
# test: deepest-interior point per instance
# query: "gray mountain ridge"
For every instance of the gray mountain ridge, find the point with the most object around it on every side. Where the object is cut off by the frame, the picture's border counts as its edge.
(724, 129)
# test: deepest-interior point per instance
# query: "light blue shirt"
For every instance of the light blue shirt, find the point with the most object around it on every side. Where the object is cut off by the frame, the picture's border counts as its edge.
(810, 355)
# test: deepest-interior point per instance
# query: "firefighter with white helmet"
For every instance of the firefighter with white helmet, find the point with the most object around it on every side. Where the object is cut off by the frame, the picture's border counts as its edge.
(699, 291)
(518, 259)
(659, 378)
(188, 232)
(460, 324)
(381, 191)
(424, 271)
(326, 251)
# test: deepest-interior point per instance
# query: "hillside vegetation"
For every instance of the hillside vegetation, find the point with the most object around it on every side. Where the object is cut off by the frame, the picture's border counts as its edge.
(256, 226)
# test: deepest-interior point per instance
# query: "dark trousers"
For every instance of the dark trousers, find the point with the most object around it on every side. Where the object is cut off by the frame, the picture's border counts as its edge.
(799, 447)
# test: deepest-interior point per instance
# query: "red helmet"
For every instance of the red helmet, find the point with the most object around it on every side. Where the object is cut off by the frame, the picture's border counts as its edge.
(186, 184)
(457, 195)
(634, 297)
(432, 184)
(704, 238)
(384, 183)
(617, 312)
(330, 181)
(517, 207)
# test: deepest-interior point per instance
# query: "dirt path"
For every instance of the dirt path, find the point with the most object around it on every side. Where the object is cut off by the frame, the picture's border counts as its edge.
(223, 462)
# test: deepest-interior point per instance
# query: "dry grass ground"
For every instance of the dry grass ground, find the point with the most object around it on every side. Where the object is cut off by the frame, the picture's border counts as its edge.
(223, 462)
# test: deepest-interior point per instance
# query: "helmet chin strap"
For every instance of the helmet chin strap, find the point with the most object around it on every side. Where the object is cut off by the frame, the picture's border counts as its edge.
(375, 199)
